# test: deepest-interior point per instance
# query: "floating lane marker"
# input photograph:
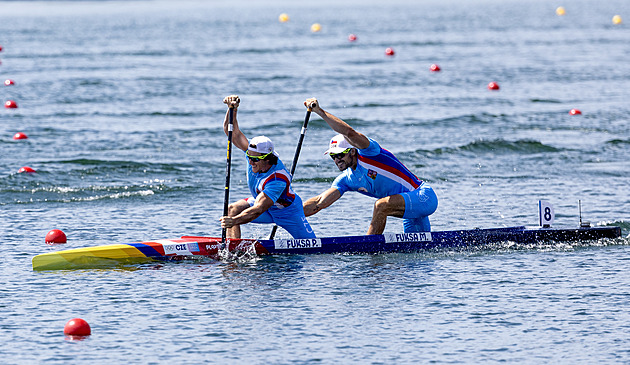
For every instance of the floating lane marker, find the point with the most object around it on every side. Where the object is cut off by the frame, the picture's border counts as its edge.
(20, 135)
(26, 169)
(77, 327)
(56, 236)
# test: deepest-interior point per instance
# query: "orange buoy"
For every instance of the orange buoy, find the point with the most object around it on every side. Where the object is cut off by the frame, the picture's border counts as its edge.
(8, 82)
(56, 236)
(77, 327)
(20, 135)
(435, 68)
(26, 169)
(352, 37)
(389, 51)
(10, 104)
(493, 86)
(575, 112)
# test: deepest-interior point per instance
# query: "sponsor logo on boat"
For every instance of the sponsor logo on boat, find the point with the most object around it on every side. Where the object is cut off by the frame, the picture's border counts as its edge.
(408, 237)
(186, 248)
(297, 243)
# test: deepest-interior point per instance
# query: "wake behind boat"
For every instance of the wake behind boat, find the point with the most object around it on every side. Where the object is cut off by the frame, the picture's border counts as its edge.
(188, 247)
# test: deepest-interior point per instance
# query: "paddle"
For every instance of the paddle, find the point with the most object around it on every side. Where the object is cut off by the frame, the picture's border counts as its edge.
(295, 158)
(228, 166)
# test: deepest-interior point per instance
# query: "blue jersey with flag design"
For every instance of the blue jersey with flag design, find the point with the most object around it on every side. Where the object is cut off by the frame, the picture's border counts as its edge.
(378, 174)
(275, 183)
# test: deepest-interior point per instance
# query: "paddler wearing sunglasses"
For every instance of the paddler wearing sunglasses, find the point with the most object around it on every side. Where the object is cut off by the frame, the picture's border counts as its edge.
(273, 200)
(373, 171)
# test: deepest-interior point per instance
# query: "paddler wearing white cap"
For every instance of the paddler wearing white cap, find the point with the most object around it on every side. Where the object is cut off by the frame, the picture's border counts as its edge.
(273, 200)
(373, 171)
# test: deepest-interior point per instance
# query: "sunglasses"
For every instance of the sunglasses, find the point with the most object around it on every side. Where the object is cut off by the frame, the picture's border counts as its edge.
(256, 158)
(339, 155)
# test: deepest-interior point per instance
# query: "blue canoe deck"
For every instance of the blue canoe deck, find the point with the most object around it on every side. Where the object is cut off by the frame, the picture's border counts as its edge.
(438, 239)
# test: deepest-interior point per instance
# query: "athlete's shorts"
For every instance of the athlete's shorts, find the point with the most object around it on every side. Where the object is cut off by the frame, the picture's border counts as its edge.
(290, 218)
(419, 205)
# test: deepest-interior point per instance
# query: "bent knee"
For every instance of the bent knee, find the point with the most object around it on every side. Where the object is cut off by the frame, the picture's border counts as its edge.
(235, 209)
(380, 205)
(389, 206)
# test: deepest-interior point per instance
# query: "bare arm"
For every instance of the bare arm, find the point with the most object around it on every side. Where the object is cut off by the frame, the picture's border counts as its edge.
(322, 201)
(263, 202)
(238, 138)
(355, 138)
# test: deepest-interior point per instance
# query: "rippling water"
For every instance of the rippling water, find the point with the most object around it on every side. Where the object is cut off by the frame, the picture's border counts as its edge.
(122, 105)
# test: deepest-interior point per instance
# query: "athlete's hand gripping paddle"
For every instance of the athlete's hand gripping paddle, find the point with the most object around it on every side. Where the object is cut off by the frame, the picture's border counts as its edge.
(228, 167)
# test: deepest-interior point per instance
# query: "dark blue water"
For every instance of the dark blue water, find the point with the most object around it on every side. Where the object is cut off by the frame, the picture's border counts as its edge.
(122, 105)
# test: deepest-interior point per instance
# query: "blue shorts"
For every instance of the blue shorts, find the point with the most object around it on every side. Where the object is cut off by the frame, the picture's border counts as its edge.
(419, 205)
(290, 218)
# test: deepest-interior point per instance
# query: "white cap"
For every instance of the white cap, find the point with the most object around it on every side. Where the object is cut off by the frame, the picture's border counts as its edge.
(262, 144)
(338, 144)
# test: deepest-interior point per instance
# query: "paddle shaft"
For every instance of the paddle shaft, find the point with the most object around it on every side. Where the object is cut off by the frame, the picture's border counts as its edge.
(298, 149)
(228, 167)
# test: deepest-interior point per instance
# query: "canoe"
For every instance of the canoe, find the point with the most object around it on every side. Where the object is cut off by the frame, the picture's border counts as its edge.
(191, 247)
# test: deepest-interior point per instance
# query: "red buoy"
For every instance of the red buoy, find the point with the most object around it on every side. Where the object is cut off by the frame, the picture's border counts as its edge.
(575, 112)
(77, 327)
(56, 236)
(8, 82)
(0, 48)
(20, 135)
(435, 68)
(352, 37)
(389, 51)
(493, 86)
(10, 104)
(26, 169)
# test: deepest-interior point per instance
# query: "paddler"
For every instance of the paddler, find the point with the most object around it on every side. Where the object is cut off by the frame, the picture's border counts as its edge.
(373, 171)
(273, 200)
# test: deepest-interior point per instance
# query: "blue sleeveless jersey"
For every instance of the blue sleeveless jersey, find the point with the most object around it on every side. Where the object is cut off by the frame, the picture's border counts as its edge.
(378, 174)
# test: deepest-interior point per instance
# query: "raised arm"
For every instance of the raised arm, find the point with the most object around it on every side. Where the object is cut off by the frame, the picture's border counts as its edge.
(238, 138)
(355, 138)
